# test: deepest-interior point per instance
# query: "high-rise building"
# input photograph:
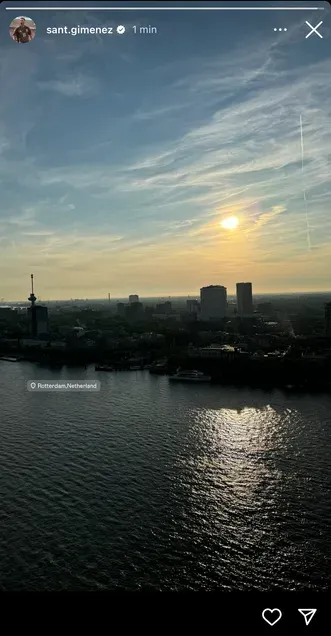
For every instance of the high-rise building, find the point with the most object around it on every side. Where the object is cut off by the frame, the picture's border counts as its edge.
(134, 298)
(244, 299)
(213, 302)
(38, 320)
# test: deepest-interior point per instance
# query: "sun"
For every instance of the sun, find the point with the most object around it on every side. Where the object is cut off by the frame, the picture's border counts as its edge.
(231, 223)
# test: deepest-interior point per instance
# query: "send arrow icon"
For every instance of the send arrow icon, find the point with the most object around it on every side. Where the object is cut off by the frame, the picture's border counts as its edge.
(307, 614)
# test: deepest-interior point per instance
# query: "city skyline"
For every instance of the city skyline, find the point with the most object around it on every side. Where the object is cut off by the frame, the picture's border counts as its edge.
(124, 157)
(134, 297)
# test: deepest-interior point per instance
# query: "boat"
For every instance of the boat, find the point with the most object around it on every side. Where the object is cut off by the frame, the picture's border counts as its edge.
(190, 376)
(136, 367)
(103, 367)
(160, 367)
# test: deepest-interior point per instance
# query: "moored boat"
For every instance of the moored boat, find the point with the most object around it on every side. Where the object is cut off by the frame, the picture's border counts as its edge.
(190, 376)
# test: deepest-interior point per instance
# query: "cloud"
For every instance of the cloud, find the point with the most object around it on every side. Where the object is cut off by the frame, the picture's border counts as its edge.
(71, 86)
(38, 233)
(26, 218)
(131, 187)
(263, 219)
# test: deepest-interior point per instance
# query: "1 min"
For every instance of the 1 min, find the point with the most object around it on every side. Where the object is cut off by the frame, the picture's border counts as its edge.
(145, 30)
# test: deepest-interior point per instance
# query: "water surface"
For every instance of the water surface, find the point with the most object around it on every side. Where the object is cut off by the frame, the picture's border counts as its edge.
(163, 486)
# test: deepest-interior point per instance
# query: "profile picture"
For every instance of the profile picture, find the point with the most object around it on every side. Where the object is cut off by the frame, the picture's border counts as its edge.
(22, 29)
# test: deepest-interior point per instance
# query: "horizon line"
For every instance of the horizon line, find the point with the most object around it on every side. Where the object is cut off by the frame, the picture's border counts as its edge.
(166, 296)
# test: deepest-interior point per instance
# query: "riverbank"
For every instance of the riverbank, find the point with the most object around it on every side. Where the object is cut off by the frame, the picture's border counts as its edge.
(288, 374)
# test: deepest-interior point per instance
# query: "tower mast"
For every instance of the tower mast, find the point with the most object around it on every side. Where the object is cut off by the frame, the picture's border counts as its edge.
(32, 298)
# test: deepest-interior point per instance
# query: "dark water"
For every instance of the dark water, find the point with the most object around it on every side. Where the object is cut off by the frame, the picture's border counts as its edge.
(160, 486)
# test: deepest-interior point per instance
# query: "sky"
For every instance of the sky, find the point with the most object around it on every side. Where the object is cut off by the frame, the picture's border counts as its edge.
(121, 155)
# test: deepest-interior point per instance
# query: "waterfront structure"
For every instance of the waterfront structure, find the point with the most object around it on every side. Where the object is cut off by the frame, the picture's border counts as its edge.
(133, 298)
(213, 302)
(189, 376)
(244, 299)
(38, 315)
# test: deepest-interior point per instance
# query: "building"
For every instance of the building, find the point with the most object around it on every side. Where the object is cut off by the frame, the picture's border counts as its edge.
(134, 298)
(244, 299)
(134, 311)
(213, 302)
(120, 307)
(192, 306)
(38, 318)
(225, 352)
(164, 308)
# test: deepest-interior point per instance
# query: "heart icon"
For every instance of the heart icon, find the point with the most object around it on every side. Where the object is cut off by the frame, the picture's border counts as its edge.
(271, 616)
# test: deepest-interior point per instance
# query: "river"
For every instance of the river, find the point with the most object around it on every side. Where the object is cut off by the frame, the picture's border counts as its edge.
(160, 486)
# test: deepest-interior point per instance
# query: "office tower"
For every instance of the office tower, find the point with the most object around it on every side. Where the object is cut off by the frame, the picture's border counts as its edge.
(38, 315)
(244, 299)
(213, 302)
(134, 298)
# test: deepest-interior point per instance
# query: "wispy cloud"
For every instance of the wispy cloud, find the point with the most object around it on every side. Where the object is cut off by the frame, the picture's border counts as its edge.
(26, 218)
(71, 86)
(129, 188)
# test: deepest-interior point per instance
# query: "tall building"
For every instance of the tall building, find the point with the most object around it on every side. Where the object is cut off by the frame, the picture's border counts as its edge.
(244, 299)
(134, 311)
(38, 315)
(213, 302)
(134, 298)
